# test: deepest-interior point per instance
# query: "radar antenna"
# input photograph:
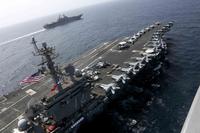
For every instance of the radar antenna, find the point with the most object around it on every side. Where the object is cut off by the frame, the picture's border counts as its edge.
(34, 45)
(48, 53)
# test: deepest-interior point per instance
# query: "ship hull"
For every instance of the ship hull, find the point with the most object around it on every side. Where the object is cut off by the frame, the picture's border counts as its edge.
(63, 22)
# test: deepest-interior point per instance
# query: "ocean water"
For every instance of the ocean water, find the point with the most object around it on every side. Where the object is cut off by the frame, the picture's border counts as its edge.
(168, 108)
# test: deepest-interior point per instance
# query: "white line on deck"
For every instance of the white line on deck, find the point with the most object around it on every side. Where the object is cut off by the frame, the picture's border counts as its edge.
(10, 123)
(4, 99)
(93, 62)
(21, 99)
(16, 110)
(107, 46)
(111, 47)
(88, 60)
(103, 53)
(26, 86)
(13, 104)
(92, 51)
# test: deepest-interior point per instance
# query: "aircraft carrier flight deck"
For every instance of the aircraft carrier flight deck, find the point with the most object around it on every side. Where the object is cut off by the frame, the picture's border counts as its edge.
(106, 64)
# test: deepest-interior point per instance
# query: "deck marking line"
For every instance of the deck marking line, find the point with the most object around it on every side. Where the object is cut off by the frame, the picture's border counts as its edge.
(10, 123)
(15, 103)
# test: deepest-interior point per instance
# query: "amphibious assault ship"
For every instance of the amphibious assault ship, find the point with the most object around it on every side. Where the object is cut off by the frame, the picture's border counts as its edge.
(84, 87)
(62, 20)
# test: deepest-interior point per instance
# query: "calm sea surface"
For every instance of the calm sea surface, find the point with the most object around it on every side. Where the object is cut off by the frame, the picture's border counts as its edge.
(167, 110)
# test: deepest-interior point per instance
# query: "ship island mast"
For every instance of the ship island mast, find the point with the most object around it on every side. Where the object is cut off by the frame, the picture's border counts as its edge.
(48, 53)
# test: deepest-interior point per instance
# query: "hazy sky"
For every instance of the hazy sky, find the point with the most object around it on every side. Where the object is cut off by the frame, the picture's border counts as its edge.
(15, 11)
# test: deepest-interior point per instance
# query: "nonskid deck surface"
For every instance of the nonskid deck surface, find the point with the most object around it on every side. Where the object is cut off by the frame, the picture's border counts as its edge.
(13, 105)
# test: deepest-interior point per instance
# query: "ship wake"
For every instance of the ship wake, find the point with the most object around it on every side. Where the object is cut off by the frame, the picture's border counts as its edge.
(18, 38)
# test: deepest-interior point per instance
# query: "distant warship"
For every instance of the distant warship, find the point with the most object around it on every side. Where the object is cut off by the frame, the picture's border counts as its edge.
(62, 20)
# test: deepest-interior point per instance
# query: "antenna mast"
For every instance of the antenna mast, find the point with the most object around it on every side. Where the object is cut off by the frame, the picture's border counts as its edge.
(49, 54)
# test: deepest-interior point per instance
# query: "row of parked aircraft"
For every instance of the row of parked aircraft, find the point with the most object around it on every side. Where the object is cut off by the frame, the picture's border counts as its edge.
(135, 37)
(153, 48)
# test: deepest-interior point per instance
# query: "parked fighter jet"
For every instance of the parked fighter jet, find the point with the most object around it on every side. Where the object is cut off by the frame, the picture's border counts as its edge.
(102, 64)
(132, 63)
(128, 70)
(121, 77)
(110, 87)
